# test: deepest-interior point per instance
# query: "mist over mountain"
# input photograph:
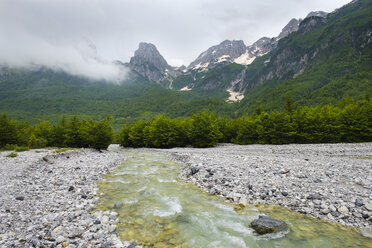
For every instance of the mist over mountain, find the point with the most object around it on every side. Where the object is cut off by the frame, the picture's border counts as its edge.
(55, 34)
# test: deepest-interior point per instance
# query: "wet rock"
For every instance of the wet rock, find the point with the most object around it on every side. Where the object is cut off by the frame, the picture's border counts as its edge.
(366, 232)
(265, 224)
(132, 245)
(118, 204)
(194, 170)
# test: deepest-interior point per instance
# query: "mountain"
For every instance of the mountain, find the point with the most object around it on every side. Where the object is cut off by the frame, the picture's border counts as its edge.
(325, 60)
(225, 52)
(149, 63)
(318, 60)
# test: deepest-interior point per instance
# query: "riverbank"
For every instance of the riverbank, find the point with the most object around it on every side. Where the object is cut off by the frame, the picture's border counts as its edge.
(46, 198)
(328, 181)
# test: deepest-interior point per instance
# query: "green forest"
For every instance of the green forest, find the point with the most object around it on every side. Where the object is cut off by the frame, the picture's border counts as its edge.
(348, 121)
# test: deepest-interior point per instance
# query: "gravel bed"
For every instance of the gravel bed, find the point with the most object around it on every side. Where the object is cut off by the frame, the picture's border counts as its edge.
(330, 181)
(46, 199)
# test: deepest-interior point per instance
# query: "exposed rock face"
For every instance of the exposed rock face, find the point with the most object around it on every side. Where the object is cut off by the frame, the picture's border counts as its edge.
(291, 27)
(149, 63)
(265, 224)
(311, 23)
(226, 52)
(317, 13)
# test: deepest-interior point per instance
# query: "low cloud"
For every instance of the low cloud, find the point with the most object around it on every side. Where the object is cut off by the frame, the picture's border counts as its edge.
(51, 33)
(78, 57)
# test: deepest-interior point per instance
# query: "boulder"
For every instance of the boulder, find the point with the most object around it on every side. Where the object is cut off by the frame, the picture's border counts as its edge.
(265, 224)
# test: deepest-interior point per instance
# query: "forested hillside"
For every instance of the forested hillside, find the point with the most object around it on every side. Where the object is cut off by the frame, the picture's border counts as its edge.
(349, 122)
(326, 60)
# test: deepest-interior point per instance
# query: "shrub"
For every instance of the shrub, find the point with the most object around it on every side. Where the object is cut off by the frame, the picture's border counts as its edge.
(21, 148)
(35, 142)
(12, 155)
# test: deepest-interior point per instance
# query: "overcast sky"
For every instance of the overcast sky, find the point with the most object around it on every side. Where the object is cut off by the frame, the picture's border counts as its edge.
(69, 33)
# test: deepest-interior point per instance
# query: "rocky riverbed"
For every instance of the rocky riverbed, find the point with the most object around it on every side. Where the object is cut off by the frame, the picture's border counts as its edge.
(330, 181)
(46, 198)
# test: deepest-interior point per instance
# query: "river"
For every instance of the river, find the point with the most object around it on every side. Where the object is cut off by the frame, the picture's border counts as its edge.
(161, 210)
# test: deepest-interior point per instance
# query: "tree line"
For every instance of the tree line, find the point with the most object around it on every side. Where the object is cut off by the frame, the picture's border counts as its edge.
(349, 121)
(65, 133)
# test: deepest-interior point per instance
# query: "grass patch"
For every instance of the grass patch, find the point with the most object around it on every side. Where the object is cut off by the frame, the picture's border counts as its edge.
(12, 155)
(65, 150)
(361, 157)
(16, 148)
(21, 148)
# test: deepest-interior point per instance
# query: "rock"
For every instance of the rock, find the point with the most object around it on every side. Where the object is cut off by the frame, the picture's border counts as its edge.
(314, 197)
(71, 188)
(118, 204)
(60, 239)
(365, 215)
(368, 206)
(105, 219)
(332, 208)
(343, 210)
(284, 171)
(317, 180)
(65, 244)
(335, 214)
(358, 202)
(325, 211)
(132, 245)
(366, 232)
(20, 198)
(194, 170)
(265, 224)
(285, 193)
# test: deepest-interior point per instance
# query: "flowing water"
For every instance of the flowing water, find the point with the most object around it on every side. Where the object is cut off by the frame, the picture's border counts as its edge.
(161, 210)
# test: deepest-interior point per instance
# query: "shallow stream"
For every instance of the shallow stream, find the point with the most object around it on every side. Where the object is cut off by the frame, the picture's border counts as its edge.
(161, 210)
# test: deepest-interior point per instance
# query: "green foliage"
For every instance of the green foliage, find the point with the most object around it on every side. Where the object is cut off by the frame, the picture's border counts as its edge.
(12, 155)
(348, 122)
(100, 134)
(8, 131)
(21, 148)
(204, 131)
(73, 133)
(35, 142)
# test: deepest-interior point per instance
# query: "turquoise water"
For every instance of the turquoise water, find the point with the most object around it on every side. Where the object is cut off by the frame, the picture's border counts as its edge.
(160, 210)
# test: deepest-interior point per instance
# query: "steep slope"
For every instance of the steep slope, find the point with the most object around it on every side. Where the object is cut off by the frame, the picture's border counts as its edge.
(150, 64)
(309, 63)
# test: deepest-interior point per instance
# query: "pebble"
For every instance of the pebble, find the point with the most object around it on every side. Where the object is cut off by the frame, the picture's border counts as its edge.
(327, 186)
(59, 199)
(343, 210)
(368, 206)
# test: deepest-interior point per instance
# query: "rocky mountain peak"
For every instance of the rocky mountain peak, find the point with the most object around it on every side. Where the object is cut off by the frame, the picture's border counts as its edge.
(291, 27)
(317, 13)
(226, 51)
(311, 23)
(148, 53)
(149, 63)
